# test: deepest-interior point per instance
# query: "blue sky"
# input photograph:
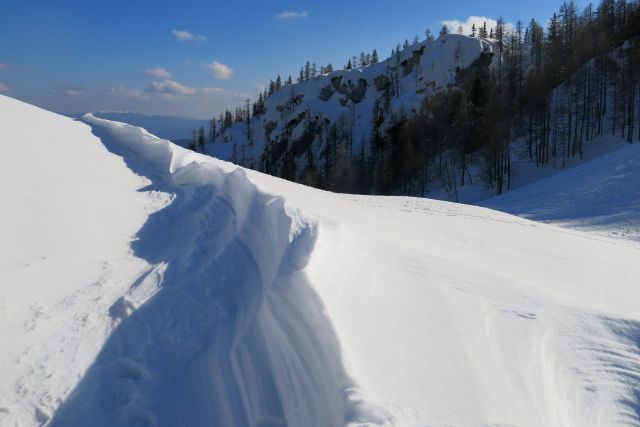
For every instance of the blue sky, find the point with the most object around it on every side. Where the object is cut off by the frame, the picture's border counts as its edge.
(195, 58)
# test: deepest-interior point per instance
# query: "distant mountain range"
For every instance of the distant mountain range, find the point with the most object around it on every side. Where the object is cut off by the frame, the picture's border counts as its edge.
(176, 129)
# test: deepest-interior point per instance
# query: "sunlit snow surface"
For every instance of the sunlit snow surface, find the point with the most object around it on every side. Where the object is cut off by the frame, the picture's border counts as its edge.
(602, 195)
(145, 285)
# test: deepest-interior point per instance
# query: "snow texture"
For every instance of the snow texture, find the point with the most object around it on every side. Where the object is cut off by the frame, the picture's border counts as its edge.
(145, 285)
(600, 195)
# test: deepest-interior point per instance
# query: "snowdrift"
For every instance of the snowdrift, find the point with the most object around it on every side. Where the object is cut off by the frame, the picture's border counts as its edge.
(233, 298)
(231, 333)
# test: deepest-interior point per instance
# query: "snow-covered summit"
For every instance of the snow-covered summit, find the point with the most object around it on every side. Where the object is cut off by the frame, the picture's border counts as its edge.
(299, 117)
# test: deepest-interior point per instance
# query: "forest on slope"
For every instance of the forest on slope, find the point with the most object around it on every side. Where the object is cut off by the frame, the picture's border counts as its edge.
(449, 110)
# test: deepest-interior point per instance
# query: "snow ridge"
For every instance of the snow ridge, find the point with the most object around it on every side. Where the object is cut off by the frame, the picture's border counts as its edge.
(231, 332)
(247, 300)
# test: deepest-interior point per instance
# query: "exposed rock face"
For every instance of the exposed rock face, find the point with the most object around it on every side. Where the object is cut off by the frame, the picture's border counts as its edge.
(304, 121)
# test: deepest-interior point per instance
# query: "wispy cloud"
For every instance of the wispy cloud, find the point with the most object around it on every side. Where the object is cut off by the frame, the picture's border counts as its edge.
(213, 91)
(220, 71)
(163, 97)
(186, 36)
(290, 14)
(125, 92)
(75, 92)
(158, 73)
(171, 87)
(15, 67)
(454, 25)
(4, 88)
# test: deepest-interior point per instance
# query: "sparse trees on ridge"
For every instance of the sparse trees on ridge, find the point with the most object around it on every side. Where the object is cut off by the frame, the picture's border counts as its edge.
(550, 89)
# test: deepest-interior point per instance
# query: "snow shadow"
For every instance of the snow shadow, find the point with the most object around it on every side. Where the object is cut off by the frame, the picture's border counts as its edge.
(625, 365)
(231, 332)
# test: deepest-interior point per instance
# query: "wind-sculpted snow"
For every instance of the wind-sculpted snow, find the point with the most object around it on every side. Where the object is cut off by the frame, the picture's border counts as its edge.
(231, 334)
(201, 294)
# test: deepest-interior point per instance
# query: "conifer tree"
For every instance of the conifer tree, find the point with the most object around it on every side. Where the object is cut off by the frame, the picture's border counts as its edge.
(201, 138)
(212, 129)
(483, 30)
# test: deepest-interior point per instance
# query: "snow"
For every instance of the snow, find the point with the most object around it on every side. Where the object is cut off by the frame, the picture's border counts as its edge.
(601, 195)
(235, 298)
(62, 240)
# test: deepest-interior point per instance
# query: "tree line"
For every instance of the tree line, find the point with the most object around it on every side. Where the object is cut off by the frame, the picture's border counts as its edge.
(553, 88)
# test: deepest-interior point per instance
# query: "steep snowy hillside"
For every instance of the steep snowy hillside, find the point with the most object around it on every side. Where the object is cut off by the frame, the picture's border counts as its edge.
(346, 105)
(183, 290)
(602, 195)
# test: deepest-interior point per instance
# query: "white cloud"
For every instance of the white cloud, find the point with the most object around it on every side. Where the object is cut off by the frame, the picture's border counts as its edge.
(213, 90)
(171, 87)
(220, 70)
(125, 92)
(479, 21)
(290, 14)
(158, 73)
(186, 36)
(4, 88)
(74, 92)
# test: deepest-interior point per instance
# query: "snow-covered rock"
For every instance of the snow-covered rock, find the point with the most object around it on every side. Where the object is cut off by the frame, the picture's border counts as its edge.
(347, 99)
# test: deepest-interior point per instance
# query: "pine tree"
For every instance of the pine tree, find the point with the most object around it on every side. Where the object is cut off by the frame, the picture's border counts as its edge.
(201, 138)
(444, 30)
(212, 129)
(374, 57)
(473, 30)
(193, 143)
(428, 35)
(483, 30)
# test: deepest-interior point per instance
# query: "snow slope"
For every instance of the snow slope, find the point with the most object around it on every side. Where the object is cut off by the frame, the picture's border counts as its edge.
(601, 195)
(235, 298)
